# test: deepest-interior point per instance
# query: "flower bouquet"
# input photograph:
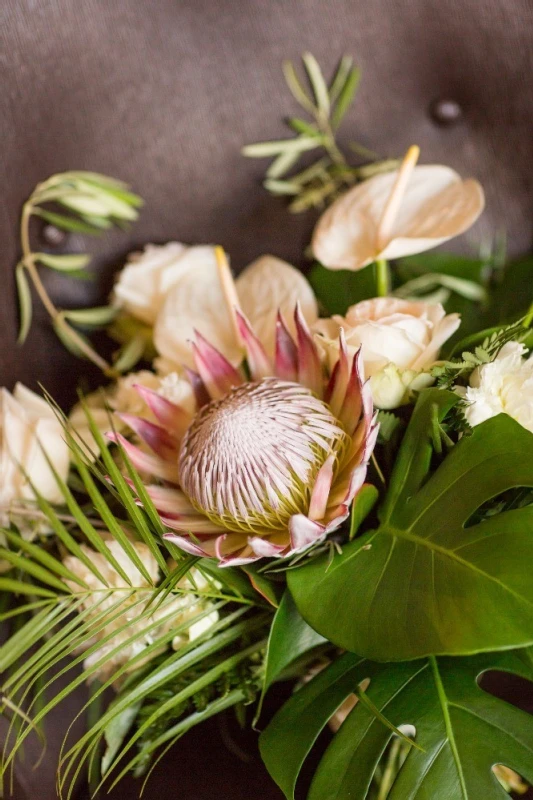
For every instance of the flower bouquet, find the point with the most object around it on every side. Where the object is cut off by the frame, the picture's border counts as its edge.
(323, 480)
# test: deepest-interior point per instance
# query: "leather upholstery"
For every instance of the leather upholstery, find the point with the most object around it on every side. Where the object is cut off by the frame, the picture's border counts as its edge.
(164, 93)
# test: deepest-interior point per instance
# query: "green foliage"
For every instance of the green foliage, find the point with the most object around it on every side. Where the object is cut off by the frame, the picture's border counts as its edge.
(337, 290)
(326, 178)
(426, 581)
(75, 624)
(290, 638)
(94, 203)
(461, 731)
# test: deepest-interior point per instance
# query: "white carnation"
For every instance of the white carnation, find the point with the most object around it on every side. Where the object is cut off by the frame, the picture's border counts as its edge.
(505, 386)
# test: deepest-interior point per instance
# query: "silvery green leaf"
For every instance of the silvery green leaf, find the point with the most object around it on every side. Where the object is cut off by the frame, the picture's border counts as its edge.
(64, 263)
(345, 98)
(84, 204)
(63, 333)
(130, 354)
(266, 149)
(281, 187)
(25, 303)
(66, 223)
(313, 171)
(282, 164)
(94, 177)
(102, 223)
(318, 83)
(340, 78)
(301, 126)
(100, 315)
(296, 88)
(377, 168)
(468, 289)
(116, 206)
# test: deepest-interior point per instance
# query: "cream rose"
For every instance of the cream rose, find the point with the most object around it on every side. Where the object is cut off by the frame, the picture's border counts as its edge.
(145, 281)
(28, 426)
(505, 386)
(400, 340)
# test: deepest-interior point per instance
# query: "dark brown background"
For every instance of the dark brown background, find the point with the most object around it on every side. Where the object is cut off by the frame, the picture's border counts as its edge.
(163, 93)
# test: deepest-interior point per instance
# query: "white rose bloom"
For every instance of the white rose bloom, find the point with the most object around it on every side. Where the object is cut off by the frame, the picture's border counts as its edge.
(144, 282)
(400, 341)
(28, 426)
(174, 611)
(504, 386)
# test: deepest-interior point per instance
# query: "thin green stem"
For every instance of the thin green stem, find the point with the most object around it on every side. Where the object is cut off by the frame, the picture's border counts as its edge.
(57, 316)
(383, 282)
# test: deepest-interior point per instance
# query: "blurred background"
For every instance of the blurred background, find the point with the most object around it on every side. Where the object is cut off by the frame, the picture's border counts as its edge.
(164, 95)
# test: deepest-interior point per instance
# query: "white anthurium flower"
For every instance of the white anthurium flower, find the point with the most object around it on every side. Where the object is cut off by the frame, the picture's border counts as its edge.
(203, 298)
(28, 429)
(397, 214)
(504, 386)
(400, 341)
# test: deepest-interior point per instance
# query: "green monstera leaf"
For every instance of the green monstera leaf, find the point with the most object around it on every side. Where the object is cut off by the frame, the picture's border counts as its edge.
(425, 582)
(461, 731)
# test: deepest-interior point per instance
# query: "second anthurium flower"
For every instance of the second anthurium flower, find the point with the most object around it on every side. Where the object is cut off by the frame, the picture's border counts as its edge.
(399, 213)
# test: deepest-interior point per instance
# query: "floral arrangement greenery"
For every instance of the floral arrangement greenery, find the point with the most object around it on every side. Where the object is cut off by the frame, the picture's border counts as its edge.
(324, 480)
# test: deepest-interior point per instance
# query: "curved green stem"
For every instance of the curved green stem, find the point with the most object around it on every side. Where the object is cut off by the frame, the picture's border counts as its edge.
(57, 317)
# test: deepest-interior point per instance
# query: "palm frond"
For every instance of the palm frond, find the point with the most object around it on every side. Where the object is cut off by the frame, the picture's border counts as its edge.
(77, 624)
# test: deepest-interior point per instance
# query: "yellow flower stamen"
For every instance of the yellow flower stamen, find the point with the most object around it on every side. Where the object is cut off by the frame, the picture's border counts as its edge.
(394, 200)
(229, 289)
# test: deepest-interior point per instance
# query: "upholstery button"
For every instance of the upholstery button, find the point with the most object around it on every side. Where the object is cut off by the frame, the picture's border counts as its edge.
(52, 236)
(446, 112)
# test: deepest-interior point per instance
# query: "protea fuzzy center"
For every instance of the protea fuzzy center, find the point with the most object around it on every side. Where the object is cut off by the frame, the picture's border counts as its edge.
(249, 460)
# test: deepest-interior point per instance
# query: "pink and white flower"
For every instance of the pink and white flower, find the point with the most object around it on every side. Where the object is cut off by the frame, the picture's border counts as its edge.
(277, 448)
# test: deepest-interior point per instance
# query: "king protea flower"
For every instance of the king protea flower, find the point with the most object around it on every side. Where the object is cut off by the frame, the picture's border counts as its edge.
(276, 450)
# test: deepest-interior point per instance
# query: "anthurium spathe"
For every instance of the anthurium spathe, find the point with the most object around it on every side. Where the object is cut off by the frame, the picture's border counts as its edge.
(396, 214)
(198, 302)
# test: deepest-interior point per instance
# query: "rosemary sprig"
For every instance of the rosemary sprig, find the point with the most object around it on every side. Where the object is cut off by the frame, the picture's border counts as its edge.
(95, 203)
(325, 179)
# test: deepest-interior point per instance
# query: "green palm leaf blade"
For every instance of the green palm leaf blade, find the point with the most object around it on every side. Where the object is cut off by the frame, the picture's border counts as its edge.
(461, 730)
(423, 583)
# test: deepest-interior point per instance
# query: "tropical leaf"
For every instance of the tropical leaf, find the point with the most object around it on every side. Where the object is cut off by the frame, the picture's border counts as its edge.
(289, 639)
(461, 730)
(426, 581)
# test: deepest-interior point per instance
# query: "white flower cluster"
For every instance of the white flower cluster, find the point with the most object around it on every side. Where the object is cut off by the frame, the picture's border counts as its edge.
(167, 616)
(504, 386)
